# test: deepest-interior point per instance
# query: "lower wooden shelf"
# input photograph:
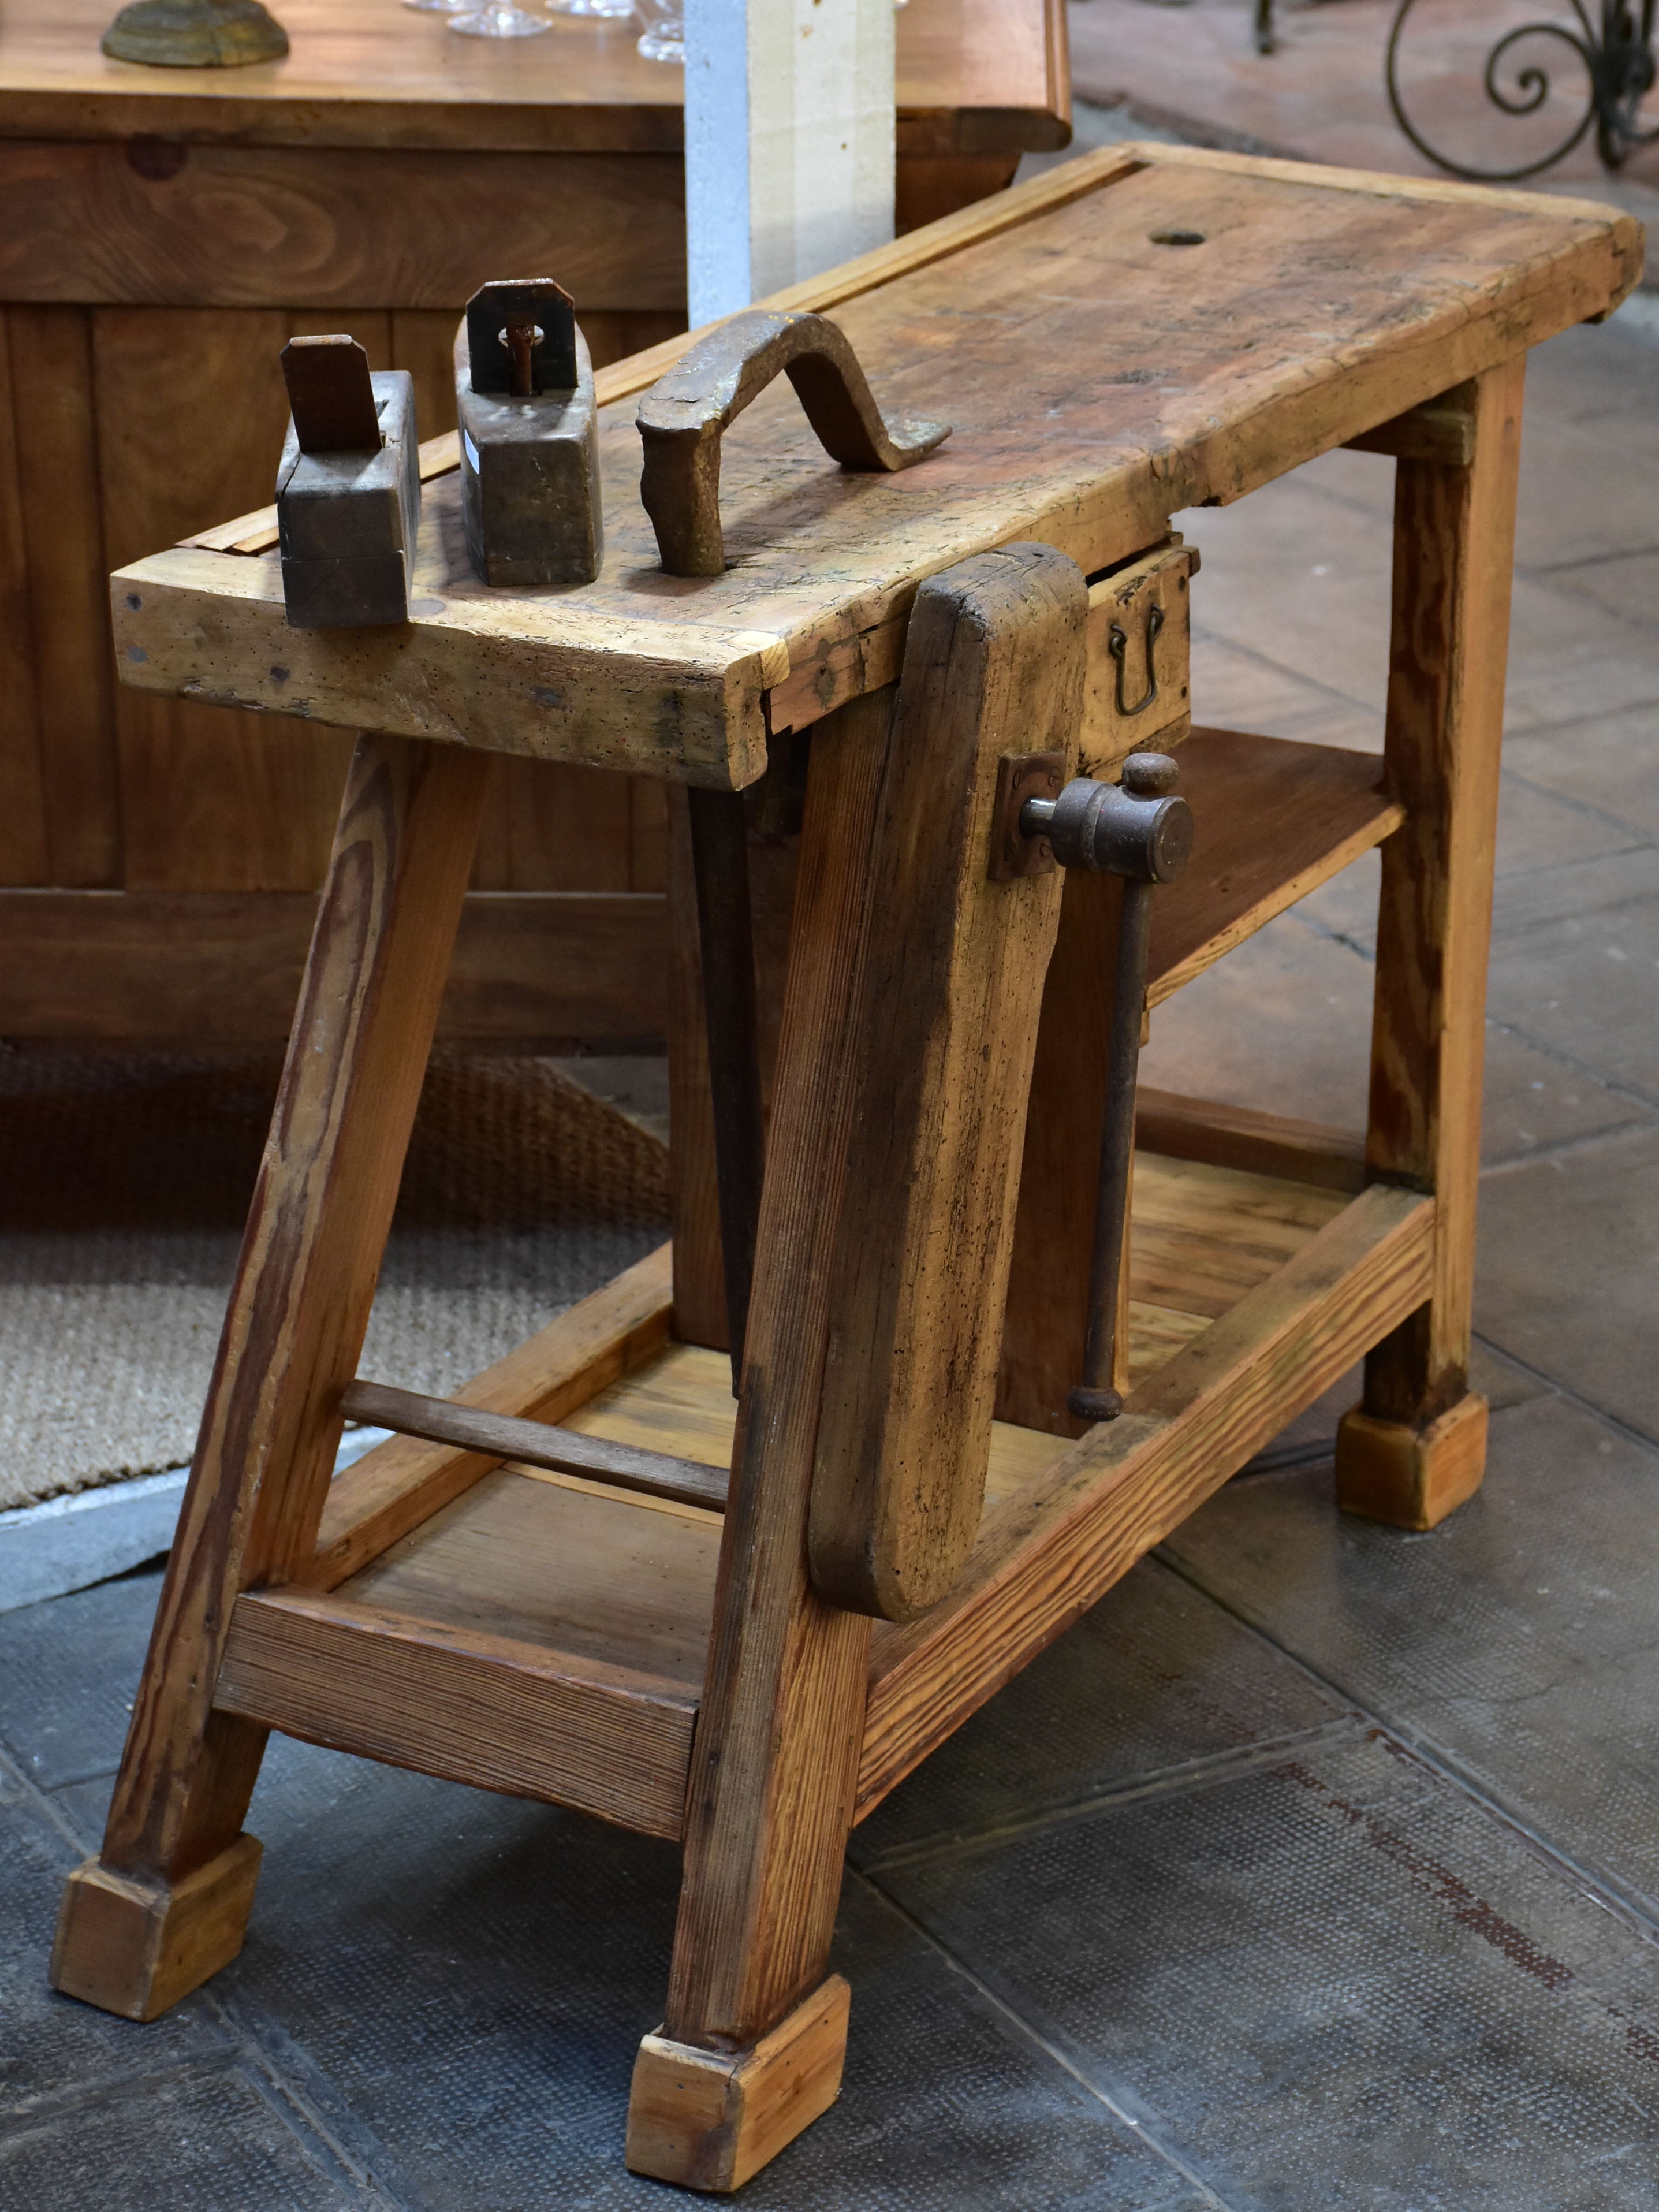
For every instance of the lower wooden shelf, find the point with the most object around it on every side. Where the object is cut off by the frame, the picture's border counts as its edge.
(1272, 818)
(542, 1634)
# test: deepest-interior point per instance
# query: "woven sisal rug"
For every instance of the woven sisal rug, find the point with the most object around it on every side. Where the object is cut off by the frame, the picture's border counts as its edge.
(123, 1186)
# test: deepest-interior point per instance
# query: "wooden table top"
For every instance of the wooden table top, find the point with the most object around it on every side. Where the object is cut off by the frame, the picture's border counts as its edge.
(1099, 378)
(974, 77)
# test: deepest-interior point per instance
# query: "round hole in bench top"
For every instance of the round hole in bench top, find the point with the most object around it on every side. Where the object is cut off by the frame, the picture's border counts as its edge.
(1177, 238)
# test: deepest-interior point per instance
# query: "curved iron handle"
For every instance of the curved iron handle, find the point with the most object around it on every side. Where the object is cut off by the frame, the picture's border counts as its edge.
(682, 415)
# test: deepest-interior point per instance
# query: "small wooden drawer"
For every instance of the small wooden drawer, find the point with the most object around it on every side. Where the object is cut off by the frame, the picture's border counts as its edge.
(1139, 641)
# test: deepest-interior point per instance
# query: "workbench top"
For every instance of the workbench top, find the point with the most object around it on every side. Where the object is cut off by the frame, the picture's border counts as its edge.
(974, 77)
(1099, 378)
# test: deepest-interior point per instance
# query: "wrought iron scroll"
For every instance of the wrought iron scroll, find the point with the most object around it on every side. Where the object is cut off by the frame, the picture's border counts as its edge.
(1616, 55)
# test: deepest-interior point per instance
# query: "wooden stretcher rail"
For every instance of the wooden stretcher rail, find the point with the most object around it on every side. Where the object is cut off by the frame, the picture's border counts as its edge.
(1046, 1555)
(399, 1485)
(1237, 1136)
(535, 1443)
(462, 1703)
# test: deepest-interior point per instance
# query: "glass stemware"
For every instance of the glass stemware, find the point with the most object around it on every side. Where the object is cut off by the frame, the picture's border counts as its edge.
(615, 10)
(499, 20)
(662, 24)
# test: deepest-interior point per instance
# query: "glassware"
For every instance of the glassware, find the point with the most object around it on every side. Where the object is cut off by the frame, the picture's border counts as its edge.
(441, 7)
(499, 20)
(662, 24)
(613, 8)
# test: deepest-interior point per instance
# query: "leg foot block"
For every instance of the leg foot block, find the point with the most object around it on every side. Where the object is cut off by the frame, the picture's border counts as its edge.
(1411, 1477)
(134, 1947)
(708, 2119)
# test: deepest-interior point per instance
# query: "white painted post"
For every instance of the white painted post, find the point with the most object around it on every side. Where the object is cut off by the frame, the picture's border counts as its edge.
(788, 142)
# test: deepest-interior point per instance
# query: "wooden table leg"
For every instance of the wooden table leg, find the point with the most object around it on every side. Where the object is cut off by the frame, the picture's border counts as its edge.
(165, 1903)
(750, 2050)
(1415, 1448)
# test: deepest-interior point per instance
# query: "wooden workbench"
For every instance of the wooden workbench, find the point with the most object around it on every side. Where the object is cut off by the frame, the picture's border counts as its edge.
(743, 1644)
(164, 232)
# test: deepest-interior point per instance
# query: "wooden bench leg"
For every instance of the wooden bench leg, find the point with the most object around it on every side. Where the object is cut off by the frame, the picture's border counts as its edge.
(750, 2050)
(166, 1902)
(1415, 1448)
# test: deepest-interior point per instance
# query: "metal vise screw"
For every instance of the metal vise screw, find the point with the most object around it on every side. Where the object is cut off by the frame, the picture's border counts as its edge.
(1139, 830)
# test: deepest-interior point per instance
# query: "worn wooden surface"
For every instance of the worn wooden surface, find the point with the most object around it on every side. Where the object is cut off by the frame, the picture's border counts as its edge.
(310, 1257)
(770, 1792)
(710, 2122)
(1454, 540)
(474, 1705)
(942, 1034)
(134, 1947)
(1045, 445)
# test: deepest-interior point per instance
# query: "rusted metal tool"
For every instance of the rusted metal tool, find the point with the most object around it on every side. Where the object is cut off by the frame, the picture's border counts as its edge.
(683, 415)
(347, 488)
(1140, 831)
(529, 430)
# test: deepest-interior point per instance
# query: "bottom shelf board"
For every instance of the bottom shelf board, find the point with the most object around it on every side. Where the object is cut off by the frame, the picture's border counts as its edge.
(543, 1635)
(618, 1579)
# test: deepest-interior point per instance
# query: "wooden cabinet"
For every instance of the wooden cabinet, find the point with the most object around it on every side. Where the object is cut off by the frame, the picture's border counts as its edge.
(164, 234)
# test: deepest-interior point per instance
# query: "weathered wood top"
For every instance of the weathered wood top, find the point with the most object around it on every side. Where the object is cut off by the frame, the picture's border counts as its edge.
(1099, 381)
(974, 77)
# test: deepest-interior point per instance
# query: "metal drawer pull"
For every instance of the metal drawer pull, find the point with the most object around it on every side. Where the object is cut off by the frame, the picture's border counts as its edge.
(1117, 644)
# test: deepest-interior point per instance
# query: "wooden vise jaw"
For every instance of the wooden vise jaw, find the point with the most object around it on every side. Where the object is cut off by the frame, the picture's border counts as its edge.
(348, 489)
(529, 443)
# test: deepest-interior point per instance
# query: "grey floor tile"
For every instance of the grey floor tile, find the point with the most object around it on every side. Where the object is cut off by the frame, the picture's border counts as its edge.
(1567, 1277)
(50, 2044)
(1628, 586)
(1539, 898)
(1606, 763)
(1155, 1678)
(205, 2140)
(1336, 1981)
(1537, 830)
(1587, 986)
(67, 1671)
(472, 1974)
(1522, 1635)
(1569, 659)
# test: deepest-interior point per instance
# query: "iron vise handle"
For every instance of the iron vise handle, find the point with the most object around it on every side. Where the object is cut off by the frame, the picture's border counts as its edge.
(681, 417)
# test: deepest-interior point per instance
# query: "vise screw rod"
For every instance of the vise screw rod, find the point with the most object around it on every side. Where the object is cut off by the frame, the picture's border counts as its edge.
(1138, 832)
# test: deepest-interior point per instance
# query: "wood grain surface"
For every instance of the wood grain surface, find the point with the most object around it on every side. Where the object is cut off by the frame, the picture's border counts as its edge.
(1045, 444)
(1454, 540)
(305, 1281)
(464, 1703)
(222, 968)
(941, 1031)
(975, 77)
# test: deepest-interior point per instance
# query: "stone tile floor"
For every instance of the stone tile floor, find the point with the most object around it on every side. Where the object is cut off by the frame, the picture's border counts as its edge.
(1314, 1871)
